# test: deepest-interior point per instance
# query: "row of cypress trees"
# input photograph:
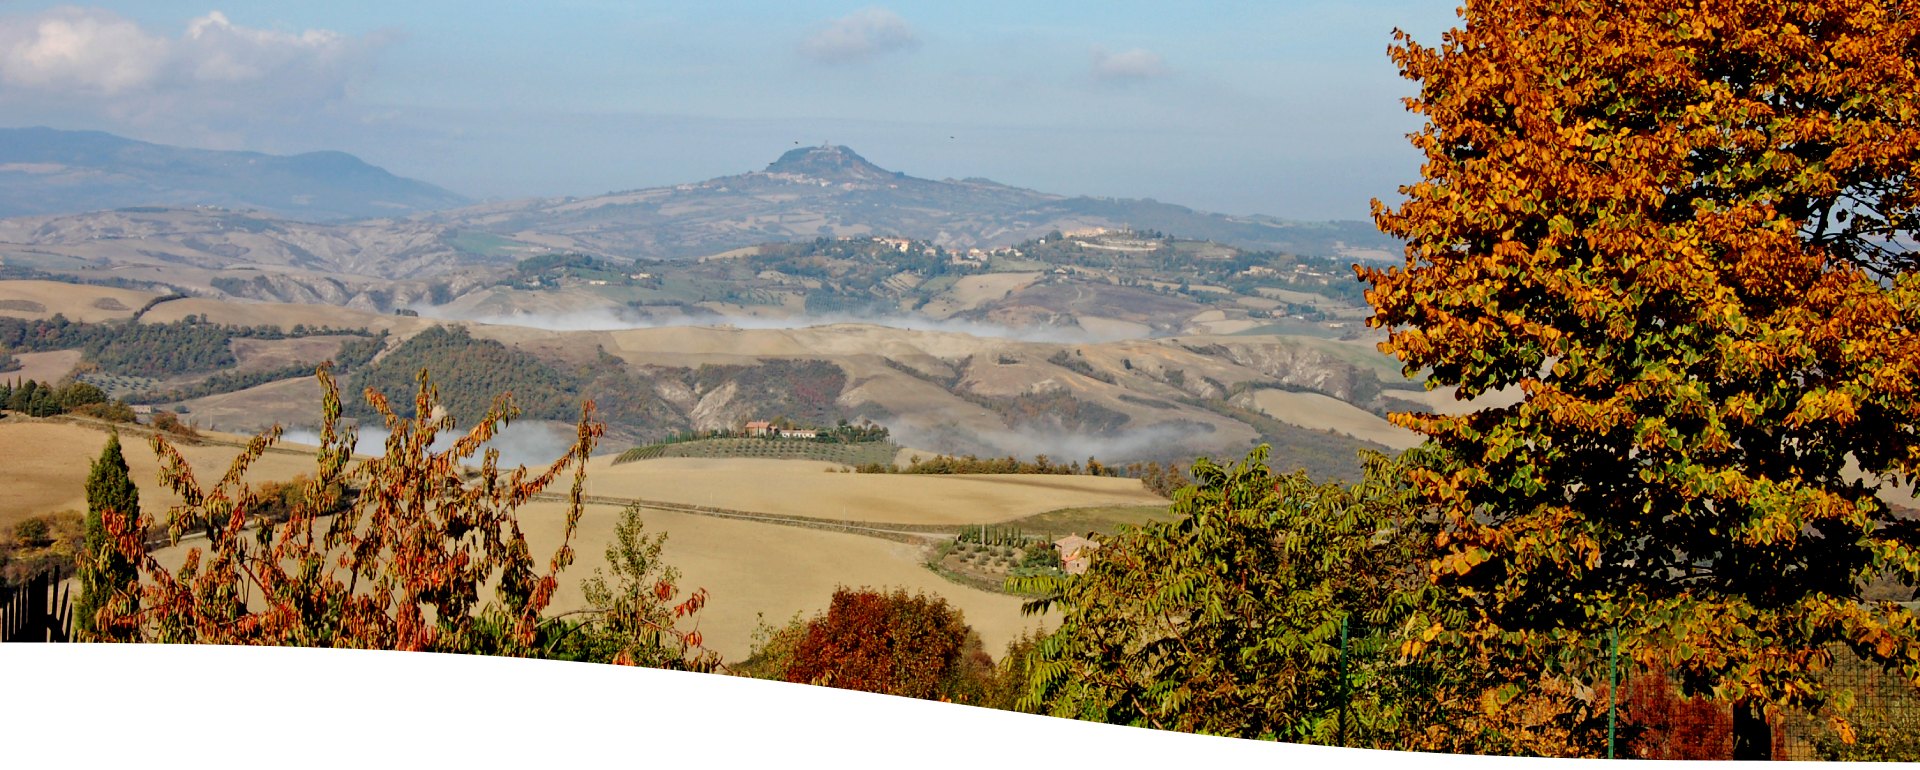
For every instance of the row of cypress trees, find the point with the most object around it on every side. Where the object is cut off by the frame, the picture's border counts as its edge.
(39, 399)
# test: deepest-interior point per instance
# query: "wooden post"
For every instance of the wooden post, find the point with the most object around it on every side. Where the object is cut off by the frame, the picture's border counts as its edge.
(1613, 684)
(38, 618)
(1752, 735)
(1343, 681)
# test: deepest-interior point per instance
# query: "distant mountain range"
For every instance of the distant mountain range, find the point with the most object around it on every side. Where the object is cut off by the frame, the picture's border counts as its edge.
(49, 171)
(831, 191)
(807, 193)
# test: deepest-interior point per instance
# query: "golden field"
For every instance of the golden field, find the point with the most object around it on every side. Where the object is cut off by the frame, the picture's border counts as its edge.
(816, 490)
(46, 464)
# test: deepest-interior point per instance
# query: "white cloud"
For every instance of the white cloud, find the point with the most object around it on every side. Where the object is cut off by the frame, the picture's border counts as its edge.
(864, 33)
(1131, 64)
(90, 59)
(76, 49)
(215, 51)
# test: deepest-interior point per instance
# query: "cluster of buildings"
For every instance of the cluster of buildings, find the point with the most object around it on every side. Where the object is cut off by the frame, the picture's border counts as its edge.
(765, 428)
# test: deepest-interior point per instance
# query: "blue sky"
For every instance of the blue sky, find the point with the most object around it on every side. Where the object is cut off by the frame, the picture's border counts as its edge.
(1283, 108)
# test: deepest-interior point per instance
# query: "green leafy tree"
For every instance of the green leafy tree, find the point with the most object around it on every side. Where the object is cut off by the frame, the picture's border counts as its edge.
(635, 617)
(75, 395)
(109, 580)
(1684, 230)
(1227, 619)
(21, 399)
(1274, 607)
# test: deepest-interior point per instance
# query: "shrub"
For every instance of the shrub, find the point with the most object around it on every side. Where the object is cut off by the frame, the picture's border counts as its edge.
(168, 422)
(111, 411)
(33, 533)
(773, 649)
(893, 643)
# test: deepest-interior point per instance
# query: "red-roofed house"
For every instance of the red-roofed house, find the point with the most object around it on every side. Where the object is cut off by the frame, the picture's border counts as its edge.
(1075, 553)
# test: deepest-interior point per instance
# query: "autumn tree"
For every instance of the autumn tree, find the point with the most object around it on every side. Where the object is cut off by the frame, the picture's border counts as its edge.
(406, 564)
(1685, 230)
(109, 580)
(894, 643)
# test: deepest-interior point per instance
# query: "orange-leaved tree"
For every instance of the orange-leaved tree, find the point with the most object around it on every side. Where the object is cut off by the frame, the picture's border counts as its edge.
(403, 562)
(894, 643)
(1685, 230)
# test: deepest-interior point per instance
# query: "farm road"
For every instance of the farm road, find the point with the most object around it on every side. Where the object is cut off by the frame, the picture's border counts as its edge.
(912, 533)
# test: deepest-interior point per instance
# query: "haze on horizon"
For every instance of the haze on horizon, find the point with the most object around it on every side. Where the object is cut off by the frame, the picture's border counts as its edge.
(1286, 108)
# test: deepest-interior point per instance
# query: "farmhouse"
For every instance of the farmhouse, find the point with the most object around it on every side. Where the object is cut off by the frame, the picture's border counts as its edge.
(799, 433)
(1075, 553)
(759, 428)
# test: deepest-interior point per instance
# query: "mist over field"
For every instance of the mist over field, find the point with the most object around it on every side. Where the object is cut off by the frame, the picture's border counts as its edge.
(604, 319)
(1027, 442)
(532, 443)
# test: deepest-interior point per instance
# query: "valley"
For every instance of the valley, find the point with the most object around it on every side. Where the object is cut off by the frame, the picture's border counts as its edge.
(995, 326)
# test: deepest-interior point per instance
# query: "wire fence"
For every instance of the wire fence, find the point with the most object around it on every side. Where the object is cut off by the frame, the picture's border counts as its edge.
(1660, 723)
(1885, 718)
(1589, 699)
(1882, 709)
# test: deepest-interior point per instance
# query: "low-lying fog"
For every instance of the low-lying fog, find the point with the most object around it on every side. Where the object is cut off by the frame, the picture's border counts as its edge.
(533, 443)
(537, 443)
(607, 319)
(1064, 447)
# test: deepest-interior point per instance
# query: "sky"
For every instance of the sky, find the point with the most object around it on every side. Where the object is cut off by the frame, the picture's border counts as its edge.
(1286, 107)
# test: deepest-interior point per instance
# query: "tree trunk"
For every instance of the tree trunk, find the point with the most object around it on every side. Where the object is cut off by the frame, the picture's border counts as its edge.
(1752, 735)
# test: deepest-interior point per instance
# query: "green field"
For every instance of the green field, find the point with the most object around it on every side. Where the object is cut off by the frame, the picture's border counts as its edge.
(1104, 519)
(484, 244)
(768, 449)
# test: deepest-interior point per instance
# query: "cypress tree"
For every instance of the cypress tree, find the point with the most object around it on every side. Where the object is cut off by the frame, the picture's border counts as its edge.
(43, 403)
(22, 397)
(103, 570)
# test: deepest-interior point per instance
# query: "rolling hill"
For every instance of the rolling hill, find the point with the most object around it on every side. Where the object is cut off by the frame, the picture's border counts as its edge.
(832, 191)
(49, 171)
(1165, 399)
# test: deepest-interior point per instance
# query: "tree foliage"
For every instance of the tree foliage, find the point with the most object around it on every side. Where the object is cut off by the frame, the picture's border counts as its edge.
(108, 579)
(1685, 230)
(39, 399)
(403, 566)
(352, 355)
(635, 616)
(1228, 620)
(471, 370)
(895, 643)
